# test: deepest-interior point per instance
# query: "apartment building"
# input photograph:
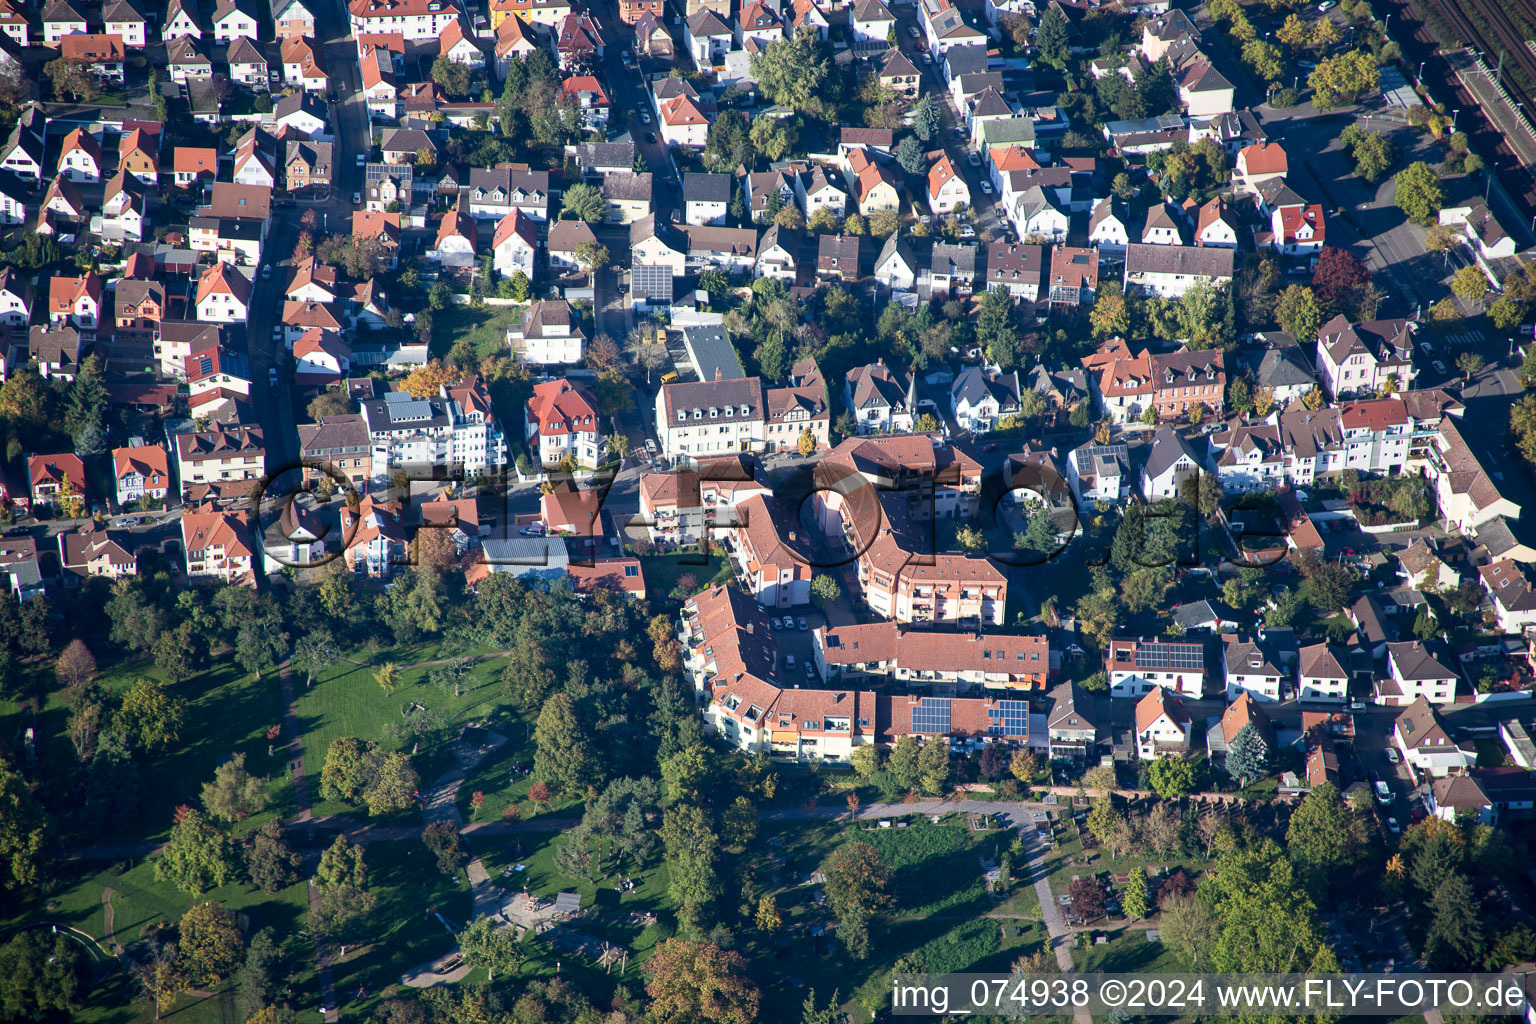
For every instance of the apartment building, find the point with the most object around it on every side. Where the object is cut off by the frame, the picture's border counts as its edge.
(771, 560)
(1366, 358)
(949, 663)
(218, 545)
(453, 429)
(682, 505)
(220, 455)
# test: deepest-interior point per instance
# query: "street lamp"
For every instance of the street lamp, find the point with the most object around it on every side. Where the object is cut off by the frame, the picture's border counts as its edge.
(1454, 115)
(1421, 70)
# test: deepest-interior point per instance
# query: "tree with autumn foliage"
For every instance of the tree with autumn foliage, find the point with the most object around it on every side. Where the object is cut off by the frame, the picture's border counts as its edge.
(425, 381)
(858, 881)
(1339, 272)
(694, 981)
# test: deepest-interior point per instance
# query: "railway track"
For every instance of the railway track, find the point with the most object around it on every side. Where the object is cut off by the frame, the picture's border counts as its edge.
(1505, 38)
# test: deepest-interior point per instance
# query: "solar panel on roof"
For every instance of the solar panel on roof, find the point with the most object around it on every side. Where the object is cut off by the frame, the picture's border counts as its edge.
(1009, 718)
(416, 409)
(931, 716)
(205, 365)
(1170, 656)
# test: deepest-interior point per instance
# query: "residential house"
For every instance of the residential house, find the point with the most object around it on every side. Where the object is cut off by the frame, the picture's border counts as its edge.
(223, 294)
(1161, 227)
(837, 257)
(578, 41)
(142, 471)
(1420, 735)
(875, 185)
(707, 37)
(1186, 380)
(218, 545)
(1107, 226)
(1162, 725)
(1514, 603)
(947, 190)
(307, 169)
(80, 157)
(1137, 666)
(75, 301)
(550, 334)
(980, 397)
(103, 55)
(1072, 722)
(1415, 671)
(231, 22)
(293, 18)
(1216, 225)
(456, 240)
(1171, 462)
(897, 266)
(1259, 163)
(1016, 268)
(706, 196)
(1038, 215)
(1073, 277)
(495, 192)
(54, 478)
(900, 75)
(186, 61)
(182, 21)
(304, 65)
(1322, 673)
(375, 537)
(565, 238)
(821, 188)
(60, 19)
(778, 254)
(654, 243)
(339, 444)
(1365, 358)
(1250, 669)
(453, 42)
(14, 26)
(124, 19)
(628, 197)
(651, 36)
(515, 244)
(952, 270)
(1243, 713)
(191, 165)
(562, 417)
(16, 298)
(682, 123)
(881, 400)
(54, 351)
(23, 153)
(94, 552)
(416, 20)
(1469, 495)
(138, 154)
(1171, 270)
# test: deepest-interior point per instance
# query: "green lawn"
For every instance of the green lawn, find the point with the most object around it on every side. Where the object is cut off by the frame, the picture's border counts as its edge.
(139, 900)
(1127, 951)
(938, 913)
(228, 712)
(409, 886)
(663, 571)
(347, 701)
(485, 329)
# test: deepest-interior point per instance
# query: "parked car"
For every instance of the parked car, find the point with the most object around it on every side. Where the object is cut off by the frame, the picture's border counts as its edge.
(810, 671)
(913, 32)
(974, 159)
(266, 271)
(1393, 756)
(1326, 6)
(1393, 826)
(1383, 794)
(802, 624)
(362, 159)
(645, 118)
(650, 445)
(532, 530)
(357, 199)
(986, 187)
(789, 660)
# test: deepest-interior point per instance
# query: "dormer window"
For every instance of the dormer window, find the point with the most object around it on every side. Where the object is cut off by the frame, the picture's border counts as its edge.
(698, 414)
(714, 414)
(681, 415)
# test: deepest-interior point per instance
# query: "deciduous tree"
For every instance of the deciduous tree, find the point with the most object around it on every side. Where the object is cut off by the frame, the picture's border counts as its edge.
(1419, 193)
(196, 856)
(210, 944)
(272, 864)
(693, 981)
(488, 943)
(234, 794)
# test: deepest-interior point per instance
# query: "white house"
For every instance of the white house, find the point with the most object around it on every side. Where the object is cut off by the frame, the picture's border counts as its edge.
(1321, 674)
(80, 157)
(1514, 603)
(1414, 673)
(1421, 737)
(1250, 670)
(1171, 270)
(1162, 725)
(1107, 226)
(947, 190)
(708, 38)
(223, 294)
(549, 335)
(981, 396)
(515, 244)
(231, 23)
(1171, 462)
(1136, 667)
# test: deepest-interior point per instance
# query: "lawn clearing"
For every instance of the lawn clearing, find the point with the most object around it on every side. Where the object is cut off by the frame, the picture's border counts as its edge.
(485, 329)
